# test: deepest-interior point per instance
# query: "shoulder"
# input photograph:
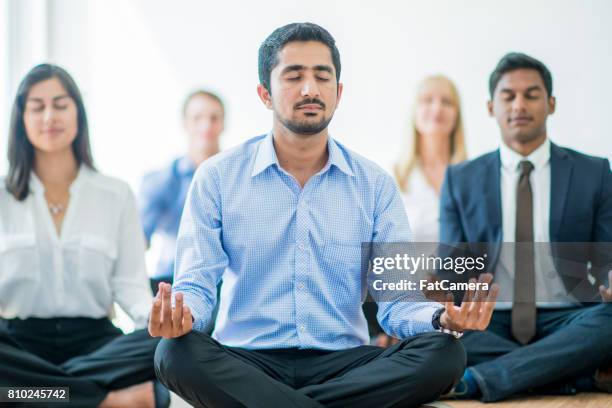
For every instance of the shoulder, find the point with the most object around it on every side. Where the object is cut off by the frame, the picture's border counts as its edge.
(3, 190)
(479, 162)
(232, 161)
(364, 169)
(581, 159)
(160, 179)
(98, 182)
(6, 197)
(464, 172)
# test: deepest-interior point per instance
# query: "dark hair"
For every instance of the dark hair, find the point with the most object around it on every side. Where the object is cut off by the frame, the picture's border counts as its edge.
(205, 93)
(20, 150)
(516, 60)
(269, 49)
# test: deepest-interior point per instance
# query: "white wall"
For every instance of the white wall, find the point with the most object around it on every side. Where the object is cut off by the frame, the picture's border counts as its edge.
(4, 81)
(135, 61)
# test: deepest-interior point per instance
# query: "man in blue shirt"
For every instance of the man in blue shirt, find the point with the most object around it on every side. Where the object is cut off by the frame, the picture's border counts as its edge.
(163, 192)
(282, 218)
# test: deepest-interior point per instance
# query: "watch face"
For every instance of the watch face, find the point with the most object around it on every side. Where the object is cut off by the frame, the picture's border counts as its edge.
(435, 321)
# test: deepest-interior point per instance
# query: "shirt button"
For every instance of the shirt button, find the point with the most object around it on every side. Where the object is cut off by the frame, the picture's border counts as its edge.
(300, 285)
(301, 246)
(302, 327)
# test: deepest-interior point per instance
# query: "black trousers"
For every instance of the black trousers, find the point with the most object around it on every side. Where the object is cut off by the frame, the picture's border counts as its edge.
(570, 344)
(208, 374)
(90, 356)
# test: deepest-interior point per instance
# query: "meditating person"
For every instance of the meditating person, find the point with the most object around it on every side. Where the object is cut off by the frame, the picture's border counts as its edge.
(71, 245)
(546, 211)
(281, 219)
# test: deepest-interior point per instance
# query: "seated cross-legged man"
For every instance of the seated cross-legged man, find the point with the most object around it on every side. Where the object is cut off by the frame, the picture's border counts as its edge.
(553, 332)
(281, 218)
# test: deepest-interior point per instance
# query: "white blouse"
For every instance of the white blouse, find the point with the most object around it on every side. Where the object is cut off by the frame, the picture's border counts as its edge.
(98, 259)
(422, 204)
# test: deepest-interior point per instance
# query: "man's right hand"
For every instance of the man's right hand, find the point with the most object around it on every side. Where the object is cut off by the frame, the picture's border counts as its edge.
(166, 321)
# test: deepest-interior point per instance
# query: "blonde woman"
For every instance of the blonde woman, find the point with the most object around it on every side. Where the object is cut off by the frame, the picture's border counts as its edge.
(436, 139)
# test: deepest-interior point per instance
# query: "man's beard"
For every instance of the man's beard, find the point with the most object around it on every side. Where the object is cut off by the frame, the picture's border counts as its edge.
(304, 127)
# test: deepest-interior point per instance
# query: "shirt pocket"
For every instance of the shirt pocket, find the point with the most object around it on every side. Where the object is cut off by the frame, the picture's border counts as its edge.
(97, 256)
(18, 259)
(342, 266)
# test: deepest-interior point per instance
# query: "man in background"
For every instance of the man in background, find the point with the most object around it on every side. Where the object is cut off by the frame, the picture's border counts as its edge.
(163, 192)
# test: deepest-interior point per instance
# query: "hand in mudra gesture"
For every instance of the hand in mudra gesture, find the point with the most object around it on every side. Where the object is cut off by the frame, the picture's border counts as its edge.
(606, 293)
(167, 321)
(475, 311)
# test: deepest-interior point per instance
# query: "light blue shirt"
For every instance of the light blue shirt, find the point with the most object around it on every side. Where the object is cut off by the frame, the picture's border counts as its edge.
(161, 201)
(289, 257)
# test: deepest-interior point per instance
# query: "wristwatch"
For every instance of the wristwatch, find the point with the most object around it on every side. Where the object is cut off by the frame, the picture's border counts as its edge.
(435, 322)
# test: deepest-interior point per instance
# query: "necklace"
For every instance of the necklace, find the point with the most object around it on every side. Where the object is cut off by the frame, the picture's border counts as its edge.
(55, 208)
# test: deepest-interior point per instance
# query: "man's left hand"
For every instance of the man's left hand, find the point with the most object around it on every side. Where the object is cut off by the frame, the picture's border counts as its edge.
(476, 309)
(606, 293)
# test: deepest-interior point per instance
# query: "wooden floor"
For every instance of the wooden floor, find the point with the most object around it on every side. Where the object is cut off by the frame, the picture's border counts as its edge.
(585, 400)
(590, 400)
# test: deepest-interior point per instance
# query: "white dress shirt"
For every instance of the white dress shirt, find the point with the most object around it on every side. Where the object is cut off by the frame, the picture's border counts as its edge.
(98, 259)
(550, 290)
(422, 203)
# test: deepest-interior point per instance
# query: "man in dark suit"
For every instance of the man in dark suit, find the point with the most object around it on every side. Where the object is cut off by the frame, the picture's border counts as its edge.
(554, 334)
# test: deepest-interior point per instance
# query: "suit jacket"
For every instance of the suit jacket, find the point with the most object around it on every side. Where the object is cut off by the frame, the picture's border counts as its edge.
(580, 211)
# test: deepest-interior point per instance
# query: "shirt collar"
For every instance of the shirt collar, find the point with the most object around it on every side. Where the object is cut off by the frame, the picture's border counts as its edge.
(266, 157)
(83, 174)
(539, 157)
(337, 158)
(185, 166)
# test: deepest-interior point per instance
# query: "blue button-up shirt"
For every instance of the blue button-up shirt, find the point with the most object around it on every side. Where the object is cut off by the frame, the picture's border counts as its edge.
(161, 201)
(289, 257)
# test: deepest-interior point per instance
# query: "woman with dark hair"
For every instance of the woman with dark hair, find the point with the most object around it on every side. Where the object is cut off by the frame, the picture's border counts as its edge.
(71, 245)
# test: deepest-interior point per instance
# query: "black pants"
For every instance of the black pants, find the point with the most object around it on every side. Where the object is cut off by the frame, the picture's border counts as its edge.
(90, 356)
(570, 344)
(208, 374)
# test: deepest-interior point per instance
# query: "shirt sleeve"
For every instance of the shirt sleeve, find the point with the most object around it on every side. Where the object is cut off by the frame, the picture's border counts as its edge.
(129, 279)
(410, 313)
(200, 256)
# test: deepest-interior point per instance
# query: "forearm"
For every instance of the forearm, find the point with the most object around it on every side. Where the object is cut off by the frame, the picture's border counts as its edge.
(404, 319)
(200, 300)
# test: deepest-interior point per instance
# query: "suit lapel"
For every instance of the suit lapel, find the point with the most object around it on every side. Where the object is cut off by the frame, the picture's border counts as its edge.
(492, 187)
(493, 197)
(560, 173)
